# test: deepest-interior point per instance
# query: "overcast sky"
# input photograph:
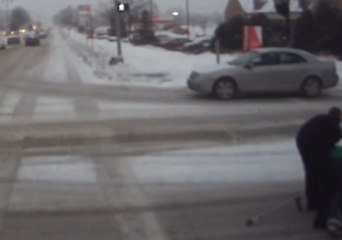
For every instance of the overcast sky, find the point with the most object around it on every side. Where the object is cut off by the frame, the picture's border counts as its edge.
(45, 9)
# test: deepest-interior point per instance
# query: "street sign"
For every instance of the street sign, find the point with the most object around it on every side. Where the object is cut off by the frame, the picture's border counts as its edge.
(84, 10)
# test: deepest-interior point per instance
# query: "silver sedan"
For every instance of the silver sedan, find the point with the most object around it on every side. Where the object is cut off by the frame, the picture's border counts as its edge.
(266, 70)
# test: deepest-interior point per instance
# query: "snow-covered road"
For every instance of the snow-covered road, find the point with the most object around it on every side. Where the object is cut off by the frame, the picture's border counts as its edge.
(201, 191)
(86, 161)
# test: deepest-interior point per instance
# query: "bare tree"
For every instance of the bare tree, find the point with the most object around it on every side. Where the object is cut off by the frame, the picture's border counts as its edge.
(2, 19)
(19, 17)
(103, 13)
(66, 17)
(200, 20)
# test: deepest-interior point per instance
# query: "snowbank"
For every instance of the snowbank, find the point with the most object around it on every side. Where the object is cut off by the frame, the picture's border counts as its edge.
(143, 65)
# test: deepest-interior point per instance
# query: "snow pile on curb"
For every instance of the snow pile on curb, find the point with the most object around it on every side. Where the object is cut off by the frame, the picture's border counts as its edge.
(143, 65)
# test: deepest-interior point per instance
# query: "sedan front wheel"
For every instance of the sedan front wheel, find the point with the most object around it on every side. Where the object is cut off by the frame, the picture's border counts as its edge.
(225, 89)
(311, 87)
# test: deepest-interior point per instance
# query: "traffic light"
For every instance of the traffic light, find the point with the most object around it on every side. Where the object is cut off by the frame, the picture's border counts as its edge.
(123, 7)
(283, 7)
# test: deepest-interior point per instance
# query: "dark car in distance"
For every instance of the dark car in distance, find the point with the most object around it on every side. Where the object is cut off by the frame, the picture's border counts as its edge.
(32, 39)
(175, 44)
(199, 45)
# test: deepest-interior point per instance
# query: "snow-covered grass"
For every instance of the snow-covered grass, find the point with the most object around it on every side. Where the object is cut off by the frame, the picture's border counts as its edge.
(143, 65)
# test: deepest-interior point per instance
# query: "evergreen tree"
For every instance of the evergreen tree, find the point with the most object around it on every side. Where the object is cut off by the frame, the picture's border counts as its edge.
(230, 33)
(320, 31)
(145, 33)
(305, 33)
(327, 27)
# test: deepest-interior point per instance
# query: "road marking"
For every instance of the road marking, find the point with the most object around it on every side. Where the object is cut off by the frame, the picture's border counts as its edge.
(9, 165)
(134, 226)
(139, 226)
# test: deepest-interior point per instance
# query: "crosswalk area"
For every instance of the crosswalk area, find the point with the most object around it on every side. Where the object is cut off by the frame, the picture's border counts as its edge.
(82, 161)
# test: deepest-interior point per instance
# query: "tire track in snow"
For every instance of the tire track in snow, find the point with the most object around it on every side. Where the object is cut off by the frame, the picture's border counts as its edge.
(133, 226)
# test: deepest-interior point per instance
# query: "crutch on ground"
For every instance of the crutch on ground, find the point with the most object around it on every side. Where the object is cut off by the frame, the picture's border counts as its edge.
(255, 219)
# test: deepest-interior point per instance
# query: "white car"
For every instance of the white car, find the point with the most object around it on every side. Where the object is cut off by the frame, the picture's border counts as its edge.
(266, 70)
(13, 38)
(101, 32)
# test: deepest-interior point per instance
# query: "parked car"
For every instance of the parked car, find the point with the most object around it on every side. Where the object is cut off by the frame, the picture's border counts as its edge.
(101, 36)
(175, 44)
(13, 38)
(266, 70)
(142, 37)
(111, 38)
(101, 32)
(198, 45)
(43, 34)
(32, 39)
(2, 43)
(170, 40)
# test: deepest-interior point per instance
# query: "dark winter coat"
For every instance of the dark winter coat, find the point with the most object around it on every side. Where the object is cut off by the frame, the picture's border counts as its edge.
(319, 133)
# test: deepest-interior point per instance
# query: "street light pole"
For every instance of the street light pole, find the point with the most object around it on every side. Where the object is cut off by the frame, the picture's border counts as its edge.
(188, 17)
(151, 13)
(151, 8)
(284, 9)
(7, 12)
(118, 29)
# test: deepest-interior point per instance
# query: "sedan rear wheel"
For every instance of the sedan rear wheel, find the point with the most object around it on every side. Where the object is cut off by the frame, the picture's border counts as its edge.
(311, 87)
(225, 89)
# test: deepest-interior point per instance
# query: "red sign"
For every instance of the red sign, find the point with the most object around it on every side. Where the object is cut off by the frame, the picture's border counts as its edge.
(84, 9)
(252, 37)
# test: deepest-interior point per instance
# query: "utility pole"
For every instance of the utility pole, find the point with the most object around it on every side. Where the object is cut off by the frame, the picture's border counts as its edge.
(7, 20)
(188, 17)
(283, 8)
(151, 13)
(151, 9)
(120, 8)
(7, 14)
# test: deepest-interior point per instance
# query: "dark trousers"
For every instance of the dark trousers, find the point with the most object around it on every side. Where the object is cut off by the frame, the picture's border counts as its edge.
(312, 189)
(328, 200)
(320, 182)
(312, 177)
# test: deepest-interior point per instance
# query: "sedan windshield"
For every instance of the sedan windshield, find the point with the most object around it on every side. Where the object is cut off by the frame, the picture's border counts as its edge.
(243, 59)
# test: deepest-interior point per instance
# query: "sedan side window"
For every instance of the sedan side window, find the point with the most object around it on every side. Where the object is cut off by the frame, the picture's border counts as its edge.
(265, 59)
(291, 58)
